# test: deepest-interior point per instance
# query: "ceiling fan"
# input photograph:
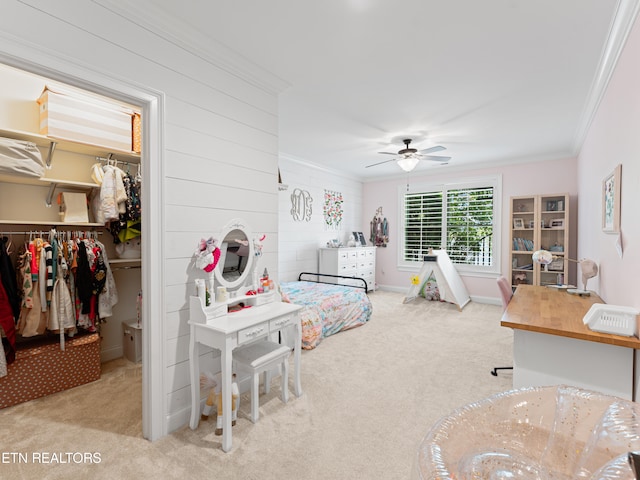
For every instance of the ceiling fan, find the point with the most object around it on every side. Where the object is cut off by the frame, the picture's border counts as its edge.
(408, 158)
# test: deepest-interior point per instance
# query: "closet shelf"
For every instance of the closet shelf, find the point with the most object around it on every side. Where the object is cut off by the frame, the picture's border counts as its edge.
(53, 184)
(50, 223)
(125, 260)
(52, 143)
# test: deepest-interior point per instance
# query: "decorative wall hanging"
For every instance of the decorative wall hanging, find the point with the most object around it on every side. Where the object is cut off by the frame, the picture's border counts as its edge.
(333, 210)
(611, 201)
(379, 229)
(301, 205)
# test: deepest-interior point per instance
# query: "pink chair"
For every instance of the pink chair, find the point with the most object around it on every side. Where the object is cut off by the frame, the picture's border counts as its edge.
(505, 291)
(506, 294)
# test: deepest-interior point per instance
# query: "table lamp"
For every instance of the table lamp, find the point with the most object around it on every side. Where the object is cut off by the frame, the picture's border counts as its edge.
(588, 268)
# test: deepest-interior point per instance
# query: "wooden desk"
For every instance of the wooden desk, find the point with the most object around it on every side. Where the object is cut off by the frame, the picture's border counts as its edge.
(226, 333)
(551, 344)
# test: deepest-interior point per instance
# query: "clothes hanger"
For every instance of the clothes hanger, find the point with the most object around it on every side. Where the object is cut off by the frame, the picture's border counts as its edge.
(8, 244)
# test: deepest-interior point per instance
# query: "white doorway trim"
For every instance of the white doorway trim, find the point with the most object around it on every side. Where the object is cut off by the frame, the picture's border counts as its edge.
(14, 52)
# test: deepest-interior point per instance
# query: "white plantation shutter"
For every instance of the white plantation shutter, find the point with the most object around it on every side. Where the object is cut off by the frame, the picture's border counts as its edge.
(458, 218)
(470, 225)
(423, 224)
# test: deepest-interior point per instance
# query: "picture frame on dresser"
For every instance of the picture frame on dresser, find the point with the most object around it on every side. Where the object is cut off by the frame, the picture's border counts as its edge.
(611, 201)
(359, 238)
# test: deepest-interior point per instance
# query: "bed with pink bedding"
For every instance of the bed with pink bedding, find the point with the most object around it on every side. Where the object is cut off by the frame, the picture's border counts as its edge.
(327, 308)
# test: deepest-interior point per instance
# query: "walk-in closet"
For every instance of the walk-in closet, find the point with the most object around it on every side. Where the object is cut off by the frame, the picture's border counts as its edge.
(70, 237)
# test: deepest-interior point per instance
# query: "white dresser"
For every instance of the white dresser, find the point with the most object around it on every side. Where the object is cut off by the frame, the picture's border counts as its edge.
(349, 262)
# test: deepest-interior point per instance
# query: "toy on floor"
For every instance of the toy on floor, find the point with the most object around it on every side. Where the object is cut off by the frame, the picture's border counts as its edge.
(213, 383)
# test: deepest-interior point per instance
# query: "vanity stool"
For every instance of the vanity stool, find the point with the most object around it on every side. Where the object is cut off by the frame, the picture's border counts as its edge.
(260, 357)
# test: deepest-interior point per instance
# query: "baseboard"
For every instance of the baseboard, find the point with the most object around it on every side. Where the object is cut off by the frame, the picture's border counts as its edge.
(486, 300)
(179, 419)
(474, 298)
(111, 354)
(392, 288)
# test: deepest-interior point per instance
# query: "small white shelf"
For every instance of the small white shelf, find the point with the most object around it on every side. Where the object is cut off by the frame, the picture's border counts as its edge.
(69, 146)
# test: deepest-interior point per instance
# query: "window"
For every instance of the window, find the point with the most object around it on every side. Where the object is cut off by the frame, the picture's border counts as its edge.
(460, 218)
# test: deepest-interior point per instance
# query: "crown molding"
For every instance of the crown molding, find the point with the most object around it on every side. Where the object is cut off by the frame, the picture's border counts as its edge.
(316, 166)
(621, 25)
(150, 17)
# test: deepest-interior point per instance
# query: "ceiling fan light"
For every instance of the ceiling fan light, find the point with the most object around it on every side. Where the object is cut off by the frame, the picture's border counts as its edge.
(408, 163)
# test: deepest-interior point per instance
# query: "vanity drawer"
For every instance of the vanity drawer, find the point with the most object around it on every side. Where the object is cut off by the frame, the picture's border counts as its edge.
(281, 322)
(251, 333)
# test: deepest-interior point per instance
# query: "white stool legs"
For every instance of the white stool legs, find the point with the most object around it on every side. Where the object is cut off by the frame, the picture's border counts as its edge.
(259, 358)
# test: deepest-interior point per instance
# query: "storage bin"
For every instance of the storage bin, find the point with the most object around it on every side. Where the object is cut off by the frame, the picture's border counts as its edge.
(132, 341)
(82, 119)
(42, 368)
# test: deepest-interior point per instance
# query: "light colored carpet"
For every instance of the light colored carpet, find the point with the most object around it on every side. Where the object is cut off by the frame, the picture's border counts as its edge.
(369, 397)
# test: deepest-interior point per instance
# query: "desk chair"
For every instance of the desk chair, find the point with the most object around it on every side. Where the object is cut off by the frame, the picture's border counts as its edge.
(259, 358)
(506, 294)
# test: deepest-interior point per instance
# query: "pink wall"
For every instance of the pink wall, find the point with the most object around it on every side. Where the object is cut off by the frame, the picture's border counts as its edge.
(614, 139)
(547, 177)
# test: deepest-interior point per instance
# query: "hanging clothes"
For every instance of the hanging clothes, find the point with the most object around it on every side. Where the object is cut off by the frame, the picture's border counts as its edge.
(95, 286)
(62, 315)
(8, 279)
(84, 280)
(379, 233)
(128, 225)
(8, 325)
(3, 361)
(33, 318)
(112, 193)
(24, 279)
(108, 296)
(45, 278)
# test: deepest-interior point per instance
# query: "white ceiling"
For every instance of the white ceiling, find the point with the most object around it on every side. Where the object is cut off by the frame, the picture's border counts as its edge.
(493, 81)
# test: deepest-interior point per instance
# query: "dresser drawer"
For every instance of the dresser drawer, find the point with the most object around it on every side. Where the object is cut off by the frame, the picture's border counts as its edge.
(251, 333)
(365, 265)
(347, 269)
(282, 322)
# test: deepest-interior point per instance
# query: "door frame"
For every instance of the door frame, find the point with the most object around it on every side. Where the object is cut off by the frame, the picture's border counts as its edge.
(63, 69)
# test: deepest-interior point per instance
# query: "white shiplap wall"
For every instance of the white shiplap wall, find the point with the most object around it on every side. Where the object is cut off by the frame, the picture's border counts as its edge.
(220, 143)
(299, 240)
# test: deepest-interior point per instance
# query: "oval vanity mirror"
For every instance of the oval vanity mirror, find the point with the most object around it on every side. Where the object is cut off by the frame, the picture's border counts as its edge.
(236, 256)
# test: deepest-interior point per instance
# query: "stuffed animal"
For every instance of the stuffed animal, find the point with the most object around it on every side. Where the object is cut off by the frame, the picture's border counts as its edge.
(207, 254)
(213, 383)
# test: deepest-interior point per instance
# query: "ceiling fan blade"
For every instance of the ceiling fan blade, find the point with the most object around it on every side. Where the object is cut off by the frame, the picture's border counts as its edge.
(380, 163)
(437, 148)
(388, 153)
(434, 158)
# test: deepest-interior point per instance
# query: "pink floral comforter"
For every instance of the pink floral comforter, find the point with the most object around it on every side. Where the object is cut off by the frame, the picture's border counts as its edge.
(327, 309)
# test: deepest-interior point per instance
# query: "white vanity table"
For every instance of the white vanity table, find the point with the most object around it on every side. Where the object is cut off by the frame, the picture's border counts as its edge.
(226, 333)
(214, 327)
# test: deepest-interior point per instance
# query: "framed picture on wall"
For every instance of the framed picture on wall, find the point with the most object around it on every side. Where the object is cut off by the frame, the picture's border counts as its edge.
(611, 201)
